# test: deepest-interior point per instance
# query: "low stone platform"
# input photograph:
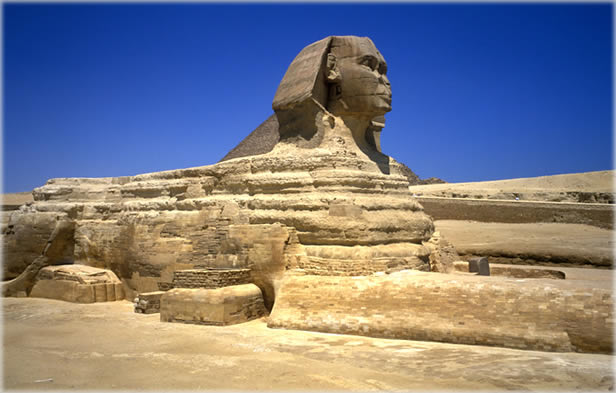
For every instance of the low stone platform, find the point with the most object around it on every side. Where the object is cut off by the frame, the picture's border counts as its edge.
(538, 314)
(78, 284)
(221, 306)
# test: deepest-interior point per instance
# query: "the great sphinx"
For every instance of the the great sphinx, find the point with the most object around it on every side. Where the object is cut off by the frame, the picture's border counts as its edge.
(323, 198)
(312, 214)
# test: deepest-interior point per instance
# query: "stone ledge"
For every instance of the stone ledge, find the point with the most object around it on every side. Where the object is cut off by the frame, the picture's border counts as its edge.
(546, 315)
(210, 278)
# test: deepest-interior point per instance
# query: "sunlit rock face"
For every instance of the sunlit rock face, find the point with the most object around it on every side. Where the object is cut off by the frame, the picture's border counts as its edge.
(324, 199)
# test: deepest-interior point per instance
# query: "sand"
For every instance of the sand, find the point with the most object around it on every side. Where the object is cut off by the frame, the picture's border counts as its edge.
(70, 346)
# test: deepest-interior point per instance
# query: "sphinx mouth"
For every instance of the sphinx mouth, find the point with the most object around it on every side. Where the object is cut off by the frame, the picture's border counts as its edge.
(386, 98)
(384, 94)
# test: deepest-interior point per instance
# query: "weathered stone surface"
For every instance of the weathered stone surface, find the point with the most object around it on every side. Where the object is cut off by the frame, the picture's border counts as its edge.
(442, 253)
(210, 278)
(78, 284)
(56, 247)
(25, 238)
(220, 306)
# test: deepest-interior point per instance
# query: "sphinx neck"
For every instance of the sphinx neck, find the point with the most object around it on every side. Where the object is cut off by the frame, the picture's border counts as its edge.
(358, 127)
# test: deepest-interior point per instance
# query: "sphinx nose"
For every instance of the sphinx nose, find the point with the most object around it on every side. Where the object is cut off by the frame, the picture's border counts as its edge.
(384, 80)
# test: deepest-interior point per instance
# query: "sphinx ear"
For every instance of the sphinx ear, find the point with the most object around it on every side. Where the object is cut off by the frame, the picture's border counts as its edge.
(333, 74)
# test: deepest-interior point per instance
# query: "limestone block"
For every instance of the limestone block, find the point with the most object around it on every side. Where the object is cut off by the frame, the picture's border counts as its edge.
(84, 293)
(69, 291)
(77, 283)
(100, 292)
(221, 306)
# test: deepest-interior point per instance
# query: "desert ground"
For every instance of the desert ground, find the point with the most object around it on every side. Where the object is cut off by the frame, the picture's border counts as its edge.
(50, 344)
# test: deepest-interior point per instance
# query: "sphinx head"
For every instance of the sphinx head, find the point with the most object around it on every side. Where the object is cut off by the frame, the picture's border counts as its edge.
(344, 76)
(356, 75)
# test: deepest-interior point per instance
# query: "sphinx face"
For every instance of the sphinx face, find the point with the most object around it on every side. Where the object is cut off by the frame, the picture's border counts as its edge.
(360, 87)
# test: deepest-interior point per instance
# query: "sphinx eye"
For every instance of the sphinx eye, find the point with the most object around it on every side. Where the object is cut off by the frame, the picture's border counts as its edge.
(383, 69)
(369, 61)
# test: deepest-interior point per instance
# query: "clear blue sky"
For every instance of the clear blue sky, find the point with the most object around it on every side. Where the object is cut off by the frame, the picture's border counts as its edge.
(480, 92)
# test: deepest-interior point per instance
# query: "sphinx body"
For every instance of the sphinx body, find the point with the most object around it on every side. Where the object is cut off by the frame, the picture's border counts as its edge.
(323, 200)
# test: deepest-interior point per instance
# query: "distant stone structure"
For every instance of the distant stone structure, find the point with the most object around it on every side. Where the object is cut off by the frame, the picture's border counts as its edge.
(316, 225)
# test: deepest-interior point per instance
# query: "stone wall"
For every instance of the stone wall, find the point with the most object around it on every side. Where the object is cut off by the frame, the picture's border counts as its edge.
(498, 311)
(601, 216)
(210, 278)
